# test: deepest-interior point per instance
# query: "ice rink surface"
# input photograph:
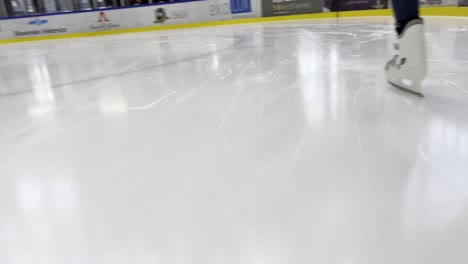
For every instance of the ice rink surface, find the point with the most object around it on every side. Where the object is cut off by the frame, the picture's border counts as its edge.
(255, 144)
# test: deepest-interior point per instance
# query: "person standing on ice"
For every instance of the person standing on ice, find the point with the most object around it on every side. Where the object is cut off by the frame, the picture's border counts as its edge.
(408, 68)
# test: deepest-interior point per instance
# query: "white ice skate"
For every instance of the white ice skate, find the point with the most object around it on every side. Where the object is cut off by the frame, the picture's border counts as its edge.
(408, 68)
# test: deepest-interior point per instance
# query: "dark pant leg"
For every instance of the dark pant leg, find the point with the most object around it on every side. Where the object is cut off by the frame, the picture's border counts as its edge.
(405, 11)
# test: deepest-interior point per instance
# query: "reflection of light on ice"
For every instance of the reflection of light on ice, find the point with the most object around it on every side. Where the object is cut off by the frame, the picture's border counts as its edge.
(320, 78)
(429, 205)
(40, 79)
(113, 106)
(448, 148)
(112, 101)
(42, 88)
(30, 194)
(40, 109)
(334, 79)
(446, 138)
(46, 215)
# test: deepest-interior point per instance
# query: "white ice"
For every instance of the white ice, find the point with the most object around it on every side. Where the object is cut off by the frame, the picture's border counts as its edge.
(265, 143)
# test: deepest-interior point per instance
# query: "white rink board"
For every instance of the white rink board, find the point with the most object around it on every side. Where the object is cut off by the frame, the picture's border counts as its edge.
(137, 17)
(2, 33)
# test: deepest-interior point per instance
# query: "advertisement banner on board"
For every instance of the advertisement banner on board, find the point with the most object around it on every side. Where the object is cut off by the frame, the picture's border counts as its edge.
(349, 5)
(143, 16)
(37, 26)
(171, 15)
(101, 20)
(438, 2)
(188, 12)
(241, 6)
(290, 7)
(103, 23)
(218, 10)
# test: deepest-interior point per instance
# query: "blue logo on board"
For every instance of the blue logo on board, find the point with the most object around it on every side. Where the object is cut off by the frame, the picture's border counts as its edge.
(240, 6)
(38, 22)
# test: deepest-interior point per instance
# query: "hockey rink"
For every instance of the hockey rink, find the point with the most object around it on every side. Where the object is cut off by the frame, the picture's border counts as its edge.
(268, 143)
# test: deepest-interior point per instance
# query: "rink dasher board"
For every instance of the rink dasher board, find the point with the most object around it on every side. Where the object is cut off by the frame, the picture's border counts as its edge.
(125, 18)
(141, 19)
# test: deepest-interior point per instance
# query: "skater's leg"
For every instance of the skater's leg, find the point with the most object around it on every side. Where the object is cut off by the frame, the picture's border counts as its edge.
(408, 68)
(405, 11)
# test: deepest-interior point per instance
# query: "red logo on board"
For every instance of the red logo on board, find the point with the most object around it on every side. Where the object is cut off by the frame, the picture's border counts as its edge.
(102, 17)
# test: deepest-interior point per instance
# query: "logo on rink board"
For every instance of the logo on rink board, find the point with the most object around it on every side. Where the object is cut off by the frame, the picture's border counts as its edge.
(182, 14)
(431, 2)
(38, 22)
(349, 5)
(160, 15)
(220, 9)
(240, 6)
(103, 17)
(290, 7)
(379, 5)
(103, 23)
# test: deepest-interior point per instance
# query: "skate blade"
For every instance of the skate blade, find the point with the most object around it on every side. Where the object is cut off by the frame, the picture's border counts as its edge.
(404, 89)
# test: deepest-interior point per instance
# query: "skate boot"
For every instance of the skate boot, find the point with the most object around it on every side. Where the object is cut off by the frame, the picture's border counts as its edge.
(408, 68)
